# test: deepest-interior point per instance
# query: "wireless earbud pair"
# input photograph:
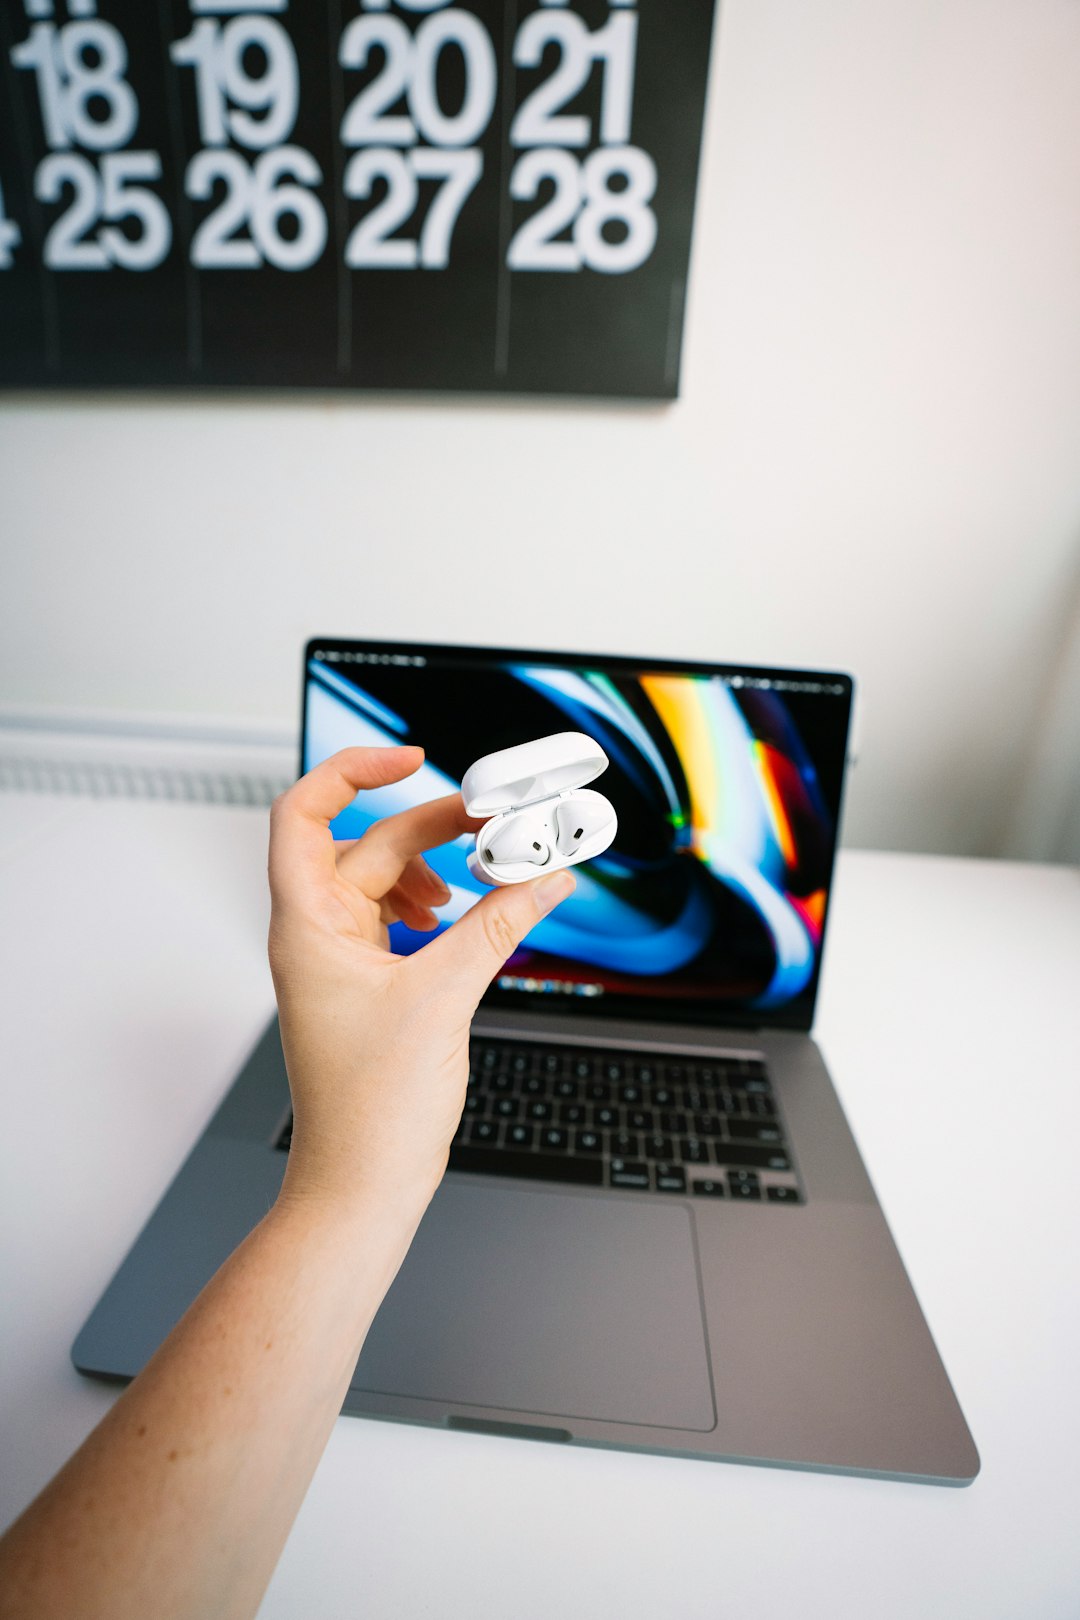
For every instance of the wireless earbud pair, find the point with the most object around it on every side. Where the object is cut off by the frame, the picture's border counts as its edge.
(526, 837)
(542, 814)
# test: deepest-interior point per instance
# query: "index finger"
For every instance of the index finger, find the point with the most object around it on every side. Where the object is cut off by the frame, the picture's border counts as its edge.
(301, 843)
(376, 861)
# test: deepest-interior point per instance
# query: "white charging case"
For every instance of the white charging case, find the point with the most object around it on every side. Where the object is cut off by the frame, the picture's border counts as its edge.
(535, 777)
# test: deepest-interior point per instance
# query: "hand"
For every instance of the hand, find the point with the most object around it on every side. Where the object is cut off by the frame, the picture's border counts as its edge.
(377, 1045)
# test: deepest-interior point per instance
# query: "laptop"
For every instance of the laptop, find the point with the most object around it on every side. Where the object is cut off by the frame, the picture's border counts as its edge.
(656, 1231)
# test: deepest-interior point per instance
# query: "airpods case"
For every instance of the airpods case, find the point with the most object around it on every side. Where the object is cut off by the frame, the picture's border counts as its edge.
(537, 801)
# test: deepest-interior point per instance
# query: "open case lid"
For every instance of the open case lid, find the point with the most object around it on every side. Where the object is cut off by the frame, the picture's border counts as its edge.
(535, 770)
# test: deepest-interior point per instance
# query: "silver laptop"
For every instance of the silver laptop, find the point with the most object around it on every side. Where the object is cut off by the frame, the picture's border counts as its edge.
(656, 1231)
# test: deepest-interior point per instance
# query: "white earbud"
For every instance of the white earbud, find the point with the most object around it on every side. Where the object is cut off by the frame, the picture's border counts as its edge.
(577, 819)
(520, 840)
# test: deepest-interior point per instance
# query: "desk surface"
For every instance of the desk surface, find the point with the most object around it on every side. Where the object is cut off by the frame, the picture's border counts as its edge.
(132, 982)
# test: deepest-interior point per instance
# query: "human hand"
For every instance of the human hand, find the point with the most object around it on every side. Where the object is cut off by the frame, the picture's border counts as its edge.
(377, 1045)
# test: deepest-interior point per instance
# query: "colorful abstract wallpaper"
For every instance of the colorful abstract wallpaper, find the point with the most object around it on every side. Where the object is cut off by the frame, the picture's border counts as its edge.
(727, 787)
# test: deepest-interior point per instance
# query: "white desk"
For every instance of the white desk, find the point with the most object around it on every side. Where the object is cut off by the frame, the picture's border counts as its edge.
(132, 982)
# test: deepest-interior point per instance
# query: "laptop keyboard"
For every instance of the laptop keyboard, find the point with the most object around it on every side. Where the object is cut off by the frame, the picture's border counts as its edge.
(707, 1127)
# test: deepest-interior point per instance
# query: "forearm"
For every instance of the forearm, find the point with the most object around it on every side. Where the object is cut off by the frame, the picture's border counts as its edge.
(179, 1503)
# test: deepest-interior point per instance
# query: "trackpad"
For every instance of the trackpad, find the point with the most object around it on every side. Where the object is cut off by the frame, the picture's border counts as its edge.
(550, 1303)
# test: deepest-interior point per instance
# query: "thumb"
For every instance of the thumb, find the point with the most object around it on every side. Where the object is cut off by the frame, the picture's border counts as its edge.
(475, 948)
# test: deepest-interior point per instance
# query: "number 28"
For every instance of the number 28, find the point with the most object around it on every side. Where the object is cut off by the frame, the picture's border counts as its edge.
(585, 200)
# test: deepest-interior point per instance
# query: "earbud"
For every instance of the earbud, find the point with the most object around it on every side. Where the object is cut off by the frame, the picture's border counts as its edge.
(520, 840)
(576, 820)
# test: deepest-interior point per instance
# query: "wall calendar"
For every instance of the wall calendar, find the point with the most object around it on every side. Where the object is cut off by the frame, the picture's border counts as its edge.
(491, 195)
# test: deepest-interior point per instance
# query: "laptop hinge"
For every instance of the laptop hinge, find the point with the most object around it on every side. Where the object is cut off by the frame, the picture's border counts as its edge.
(671, 1039)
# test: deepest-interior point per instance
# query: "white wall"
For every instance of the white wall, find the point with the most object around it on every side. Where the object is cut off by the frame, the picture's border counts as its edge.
(875, 463)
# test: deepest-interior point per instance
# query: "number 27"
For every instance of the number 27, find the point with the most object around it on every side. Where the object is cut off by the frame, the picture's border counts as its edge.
(369, 245)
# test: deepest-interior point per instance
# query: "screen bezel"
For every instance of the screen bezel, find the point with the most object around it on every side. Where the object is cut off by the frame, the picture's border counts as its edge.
(586, 1009)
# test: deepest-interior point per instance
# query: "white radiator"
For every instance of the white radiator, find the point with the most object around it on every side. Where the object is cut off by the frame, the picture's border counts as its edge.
(144, 757)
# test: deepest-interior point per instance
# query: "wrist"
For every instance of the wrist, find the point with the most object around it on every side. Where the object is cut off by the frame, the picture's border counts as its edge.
(359, 1206)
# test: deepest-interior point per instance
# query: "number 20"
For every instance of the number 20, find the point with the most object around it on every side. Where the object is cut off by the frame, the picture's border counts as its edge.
(411, 69)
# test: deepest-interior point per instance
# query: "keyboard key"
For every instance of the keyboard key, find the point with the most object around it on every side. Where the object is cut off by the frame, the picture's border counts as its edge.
(670, 1178)
(606, 1118)
(552, 1063)
(614, 1072)
(538, 1110)
(484, 1130)
(709, 1189)
(761, 1106)
(674, 1124)
(639, 1119)
(662, 1096)
(745, 1189)
(707, 1125)
(532, 1166)
(596, 1091)
(554, 1140)
(572, 1113)
(755, 1130)
(506, 1108)
(475, 1104)
(622, 1173)
(625, 1144)
(659, 1147)
(739, 1079)
(582, 1069)
(520, 1136)
(646, 1074)
(588, 1142)
(567, 1088)
(629, 1094)
(534, 1086)
(783, 1195)
(762, 1158)
(693, 1150)
(501, 1083)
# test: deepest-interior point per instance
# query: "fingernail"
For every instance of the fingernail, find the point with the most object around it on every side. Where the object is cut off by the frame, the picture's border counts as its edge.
(550, 890)
(442, 889)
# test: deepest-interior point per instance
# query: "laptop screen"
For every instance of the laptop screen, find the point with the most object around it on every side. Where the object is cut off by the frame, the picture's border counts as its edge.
(711, 904)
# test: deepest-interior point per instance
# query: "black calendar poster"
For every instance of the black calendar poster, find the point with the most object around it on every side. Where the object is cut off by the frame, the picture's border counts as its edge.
(489, 195)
